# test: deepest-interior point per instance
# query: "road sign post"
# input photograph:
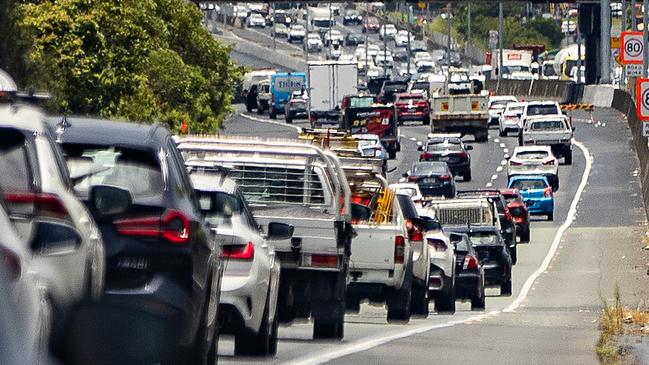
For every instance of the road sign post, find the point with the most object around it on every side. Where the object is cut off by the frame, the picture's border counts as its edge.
(632, 48)
(642, 99)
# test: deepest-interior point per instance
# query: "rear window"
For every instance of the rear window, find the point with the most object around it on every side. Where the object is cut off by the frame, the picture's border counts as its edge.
(411, 97)
(532, 155)
(436, 147)
(500, 103)
(528, 184)
(14, 163)
(484, 238)
(279, 185)
(407, 206)
(547, 124)
(427, 168)
(516, 211)
(218, 207)
(361, 102)
(134, 170)
(541, 110)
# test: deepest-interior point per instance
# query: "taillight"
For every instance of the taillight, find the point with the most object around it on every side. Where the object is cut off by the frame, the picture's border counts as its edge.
(10, 264)
(239, 252)
(414, 234)
(44, 204)
(463, 154)
(508, 215)
(546, 163)
(470, 262)
(425, 156)
(438, 245)
(445, 177)
(412, 178)
(399, 249)
(330, 261)
(514, 163)
(173, 226)
(547, 192)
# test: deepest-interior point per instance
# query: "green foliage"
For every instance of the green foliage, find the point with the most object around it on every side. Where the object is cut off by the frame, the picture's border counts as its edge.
(146, 60)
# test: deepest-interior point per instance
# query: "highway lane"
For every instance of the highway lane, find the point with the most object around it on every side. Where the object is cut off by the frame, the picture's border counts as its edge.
(370, 327)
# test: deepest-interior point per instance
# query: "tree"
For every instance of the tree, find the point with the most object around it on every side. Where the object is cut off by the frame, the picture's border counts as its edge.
(146, 60)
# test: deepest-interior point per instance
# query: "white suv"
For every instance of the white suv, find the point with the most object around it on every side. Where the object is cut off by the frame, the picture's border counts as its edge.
(534, 160)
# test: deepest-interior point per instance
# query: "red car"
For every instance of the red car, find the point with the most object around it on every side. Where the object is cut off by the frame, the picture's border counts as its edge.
(372, 24)
(412, 106)
(519, 211)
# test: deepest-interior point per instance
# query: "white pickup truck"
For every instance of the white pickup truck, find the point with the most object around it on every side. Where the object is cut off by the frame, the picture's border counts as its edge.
(386, 263)
(296, 183)
(549, 130)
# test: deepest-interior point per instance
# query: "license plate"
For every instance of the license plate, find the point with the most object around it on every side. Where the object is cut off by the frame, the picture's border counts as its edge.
(137, 263)
(444, 158)
(429, 180)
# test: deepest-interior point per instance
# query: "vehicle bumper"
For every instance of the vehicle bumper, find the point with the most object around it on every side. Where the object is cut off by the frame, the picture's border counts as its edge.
(495, 273)
(438, 281)
(540, 206)
(389, 278)
(467, 285)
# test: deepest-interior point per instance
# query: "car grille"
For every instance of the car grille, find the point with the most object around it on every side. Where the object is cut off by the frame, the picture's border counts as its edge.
(459, 216)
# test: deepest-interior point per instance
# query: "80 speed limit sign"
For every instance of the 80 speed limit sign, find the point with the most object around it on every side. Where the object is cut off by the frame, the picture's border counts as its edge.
(632, 47)
(642, 99)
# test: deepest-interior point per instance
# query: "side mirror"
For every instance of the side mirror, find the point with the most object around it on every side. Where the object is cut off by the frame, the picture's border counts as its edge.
(280, 231)
(420, 146)
(469, 148)
(55, 238)
(109, 200)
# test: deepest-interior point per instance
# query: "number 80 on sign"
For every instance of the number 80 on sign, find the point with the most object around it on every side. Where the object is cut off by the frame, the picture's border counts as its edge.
(642, 98)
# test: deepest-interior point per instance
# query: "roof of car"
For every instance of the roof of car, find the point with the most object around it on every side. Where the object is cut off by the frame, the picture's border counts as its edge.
(106, 132)
(22, 116)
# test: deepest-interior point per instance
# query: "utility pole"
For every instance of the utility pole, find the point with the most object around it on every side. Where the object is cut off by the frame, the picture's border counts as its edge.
(500, 41)
(272, 7)
(578, 56)
(645, 37)
(367, 15)
(385, 42)
(634, 21)
(448, 39)
(409, 30)
(468, 25)
(624, 22)
(331, 43)
(308, 69)
(605, 42)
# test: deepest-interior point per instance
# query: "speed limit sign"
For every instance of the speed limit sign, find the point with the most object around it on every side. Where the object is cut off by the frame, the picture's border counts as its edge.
(642, 99)
(632, 47)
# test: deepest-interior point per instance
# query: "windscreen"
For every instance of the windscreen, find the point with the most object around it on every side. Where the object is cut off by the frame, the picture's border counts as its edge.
(528, 185)
(134, 170)
(541, 110)
(547, 125)
(499, 103)
(411, 97)
(322, 23)
(14, 163)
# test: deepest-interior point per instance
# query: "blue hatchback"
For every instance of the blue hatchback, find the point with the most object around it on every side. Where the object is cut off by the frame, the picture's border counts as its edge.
(536, 192)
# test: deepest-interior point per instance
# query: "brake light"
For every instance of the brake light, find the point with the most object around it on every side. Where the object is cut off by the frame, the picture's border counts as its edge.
(445, 177)
(173, 226)
(412, 178)
(438, 245)
(330, 261)
(547, 192)
(463, 154)
(470, 262)
(399, 249)
(44, 204)
(239, 252)
(514, 163)
(10, 264)
(550, 162)
(424, 156)
(414, 234)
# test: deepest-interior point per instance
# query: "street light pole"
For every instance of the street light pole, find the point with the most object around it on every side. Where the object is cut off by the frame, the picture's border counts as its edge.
(448, 39)
(500, 40)
(634, 21)
(308, 69)
(645, 36)
(367, 15)
(385, 42)
(408, 50)
(272, 7)
(468, 24)
(605, 39)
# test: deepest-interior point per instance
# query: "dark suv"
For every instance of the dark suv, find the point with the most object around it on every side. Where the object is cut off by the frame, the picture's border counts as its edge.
(160, 256)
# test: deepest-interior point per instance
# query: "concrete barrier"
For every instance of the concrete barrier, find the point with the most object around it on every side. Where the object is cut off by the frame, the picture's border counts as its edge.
(562, 91)
(247, 47)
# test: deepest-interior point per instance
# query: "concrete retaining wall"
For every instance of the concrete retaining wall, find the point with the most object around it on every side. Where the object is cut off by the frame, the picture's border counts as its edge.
(562, 91)
(247, 47)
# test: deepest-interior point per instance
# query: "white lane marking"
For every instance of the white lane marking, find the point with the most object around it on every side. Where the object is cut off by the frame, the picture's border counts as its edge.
(557, 237)
(358, 346)
(488, 185)
(502, 145)
(298, 129)
(494, 177)
(413, 139)
(499, 169)
(496, 140)
(503, 162)
(506, 150)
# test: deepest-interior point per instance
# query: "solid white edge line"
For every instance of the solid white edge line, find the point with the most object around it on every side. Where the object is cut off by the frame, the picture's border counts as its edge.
(369, 343)
(557, 237)
(298, 129)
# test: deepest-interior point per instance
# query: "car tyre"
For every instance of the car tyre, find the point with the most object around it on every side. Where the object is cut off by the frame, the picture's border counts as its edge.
(466, 176)
(258, 344)
(551, 216)
(205, 351)
(419, 301)
(445, 302)
(330, 327)
(513, 252)
(567, 159)
(392, 154)
(506, 288)
(502, 133)
(525, 236)
(400, 300)
(271, 113)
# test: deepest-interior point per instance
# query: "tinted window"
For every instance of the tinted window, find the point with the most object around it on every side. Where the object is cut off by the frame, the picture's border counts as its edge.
(137, 171)
(14, 162)
(462, 246)
(407, 206)
(484, 238)
(541, 110)
(528, 184)
(532, 155)
(433, 147)
(428, 168)
(547, 124)
(360, 102)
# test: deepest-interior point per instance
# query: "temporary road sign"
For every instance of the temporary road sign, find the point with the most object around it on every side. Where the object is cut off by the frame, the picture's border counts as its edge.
(645, 129)
(632, 47)
(615, 42)
(633, 70)
(642, 98)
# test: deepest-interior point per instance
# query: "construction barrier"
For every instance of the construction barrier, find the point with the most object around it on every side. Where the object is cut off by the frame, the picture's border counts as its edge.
(586, 107)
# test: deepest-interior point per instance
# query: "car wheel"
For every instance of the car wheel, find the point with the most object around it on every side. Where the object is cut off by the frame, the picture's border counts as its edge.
(445, 302)
(331, 326)
(205, 348)
(426, 121)
(289, 120)
(513, 252)
(260, 110)
(352, 304)
(466, 176)
(506, 288)
(567, 159)
(501, 133)
(392, 154)
(525, 236)
(478, 302)
(419, 301)
(271, 113)
(551, 216)
(247, 342)
(400, 300)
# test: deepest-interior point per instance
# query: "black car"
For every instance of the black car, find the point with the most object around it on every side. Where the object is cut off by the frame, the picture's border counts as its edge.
(354, 39)
(493, 255)
(352, 17)
(390, 89)
(160, 257)
(400, 55)
(469, 274)
(433, 177)
(450, 150)
(507, 222)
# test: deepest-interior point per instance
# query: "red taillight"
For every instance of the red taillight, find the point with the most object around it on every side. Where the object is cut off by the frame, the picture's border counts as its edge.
(10, 264)
(412, 178)
(508, 215)
(463, 154)
(438, 245)
(44, 204)
(330, 261)
(173, 226)
(547, 192)
(424, 156)
(414, 234)
(546, 163)
(470, 262)
(239, 252)
(445, 177)
(399, 249)
(514, 163)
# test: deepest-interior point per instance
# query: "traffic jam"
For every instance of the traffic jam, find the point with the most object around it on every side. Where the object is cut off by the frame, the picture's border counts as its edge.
(193, 237)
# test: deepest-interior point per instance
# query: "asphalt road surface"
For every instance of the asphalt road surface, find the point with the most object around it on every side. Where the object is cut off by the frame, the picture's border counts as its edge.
(559, 282)
(562, 278)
